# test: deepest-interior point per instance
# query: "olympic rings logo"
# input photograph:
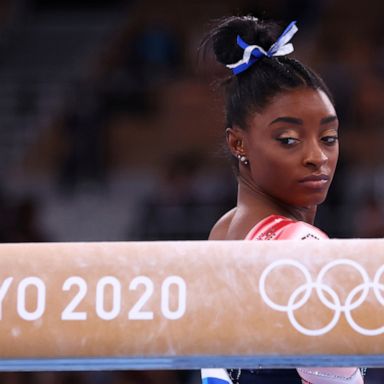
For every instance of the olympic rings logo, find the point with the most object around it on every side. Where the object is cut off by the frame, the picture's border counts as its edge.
(334, 303)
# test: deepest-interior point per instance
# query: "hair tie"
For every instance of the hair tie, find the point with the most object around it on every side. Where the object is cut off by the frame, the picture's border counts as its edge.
(254, 52)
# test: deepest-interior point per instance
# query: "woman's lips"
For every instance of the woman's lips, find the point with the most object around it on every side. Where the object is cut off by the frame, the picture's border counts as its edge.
(315, 181)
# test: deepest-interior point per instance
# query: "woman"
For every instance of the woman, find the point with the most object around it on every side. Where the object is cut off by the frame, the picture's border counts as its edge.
(282, 130)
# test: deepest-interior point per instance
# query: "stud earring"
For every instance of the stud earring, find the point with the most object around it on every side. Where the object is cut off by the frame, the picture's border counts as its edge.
(243, 159)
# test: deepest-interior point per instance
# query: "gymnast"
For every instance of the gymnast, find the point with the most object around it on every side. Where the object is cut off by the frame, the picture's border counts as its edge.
(282, 133)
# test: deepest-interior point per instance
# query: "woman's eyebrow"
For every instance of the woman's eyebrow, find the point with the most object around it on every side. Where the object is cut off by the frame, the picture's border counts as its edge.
(297, 121)
(328, 119)
(287, 119)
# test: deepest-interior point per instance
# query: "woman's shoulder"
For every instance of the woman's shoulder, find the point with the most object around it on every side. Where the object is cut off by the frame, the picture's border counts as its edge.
(220, 229)
(275, 227)
(272, 227)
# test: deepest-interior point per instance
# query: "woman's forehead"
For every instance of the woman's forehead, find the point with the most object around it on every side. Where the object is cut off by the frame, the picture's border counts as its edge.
(299, 102)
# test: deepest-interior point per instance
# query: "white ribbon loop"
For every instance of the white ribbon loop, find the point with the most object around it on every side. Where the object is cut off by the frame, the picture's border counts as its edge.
(281, 47)
(247, 56)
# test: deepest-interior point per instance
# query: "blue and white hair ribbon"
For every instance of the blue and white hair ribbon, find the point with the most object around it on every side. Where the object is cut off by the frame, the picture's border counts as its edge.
(252, 53)
(215, 376)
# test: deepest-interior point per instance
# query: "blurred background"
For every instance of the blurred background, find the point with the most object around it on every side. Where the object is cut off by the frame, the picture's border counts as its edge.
(111, 128)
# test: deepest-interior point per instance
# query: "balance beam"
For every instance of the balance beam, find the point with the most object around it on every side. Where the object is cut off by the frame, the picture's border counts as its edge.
(192, 304)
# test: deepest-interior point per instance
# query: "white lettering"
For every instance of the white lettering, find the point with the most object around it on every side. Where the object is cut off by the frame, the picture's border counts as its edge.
(40, 298)
(136, 313)
(3, 291)
(116, 298)
(69, 312)
(165, 301)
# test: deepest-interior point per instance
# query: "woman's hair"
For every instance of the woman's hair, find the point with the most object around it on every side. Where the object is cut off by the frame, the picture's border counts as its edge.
(250, 91)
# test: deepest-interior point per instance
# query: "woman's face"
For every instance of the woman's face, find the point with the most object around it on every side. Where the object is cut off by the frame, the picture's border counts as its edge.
(292, 147)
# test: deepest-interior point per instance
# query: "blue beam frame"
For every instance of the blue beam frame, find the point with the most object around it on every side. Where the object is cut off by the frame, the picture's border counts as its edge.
(187, 362)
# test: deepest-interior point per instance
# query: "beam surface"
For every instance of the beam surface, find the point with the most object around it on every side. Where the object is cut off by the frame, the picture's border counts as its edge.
(192, 304)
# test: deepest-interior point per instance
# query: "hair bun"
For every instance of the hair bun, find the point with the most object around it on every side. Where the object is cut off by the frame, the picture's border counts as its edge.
(250, 29)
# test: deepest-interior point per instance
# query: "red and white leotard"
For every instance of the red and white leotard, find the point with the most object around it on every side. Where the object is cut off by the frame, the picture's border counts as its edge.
(276, 227)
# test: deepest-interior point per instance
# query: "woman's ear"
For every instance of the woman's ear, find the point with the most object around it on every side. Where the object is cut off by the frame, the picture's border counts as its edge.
(235, 140)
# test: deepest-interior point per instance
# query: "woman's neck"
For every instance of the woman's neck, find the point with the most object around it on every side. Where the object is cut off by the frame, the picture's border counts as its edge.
(253, 199)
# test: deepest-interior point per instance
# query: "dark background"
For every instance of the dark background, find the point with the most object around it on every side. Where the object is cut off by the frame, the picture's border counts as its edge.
(110, 128)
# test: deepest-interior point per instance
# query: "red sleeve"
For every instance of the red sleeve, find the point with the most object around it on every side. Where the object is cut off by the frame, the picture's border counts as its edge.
(301, 231)
(281, 228)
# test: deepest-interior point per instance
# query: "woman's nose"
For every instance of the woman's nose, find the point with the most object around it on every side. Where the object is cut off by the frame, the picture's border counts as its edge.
(314, 155)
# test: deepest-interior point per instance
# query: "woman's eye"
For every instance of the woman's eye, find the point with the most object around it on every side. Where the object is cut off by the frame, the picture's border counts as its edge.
(330, 139)
(288, 140)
